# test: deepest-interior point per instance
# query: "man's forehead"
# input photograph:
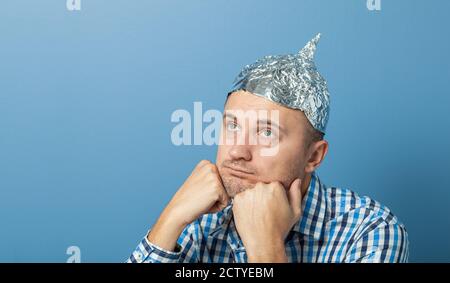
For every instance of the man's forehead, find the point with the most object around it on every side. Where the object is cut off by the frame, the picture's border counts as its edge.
(242, 102)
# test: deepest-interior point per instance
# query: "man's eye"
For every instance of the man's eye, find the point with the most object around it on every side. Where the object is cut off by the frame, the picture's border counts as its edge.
(267, 133)
(231, 126)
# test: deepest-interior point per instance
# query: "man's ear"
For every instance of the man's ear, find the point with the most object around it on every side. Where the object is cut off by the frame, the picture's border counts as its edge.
(316, 154)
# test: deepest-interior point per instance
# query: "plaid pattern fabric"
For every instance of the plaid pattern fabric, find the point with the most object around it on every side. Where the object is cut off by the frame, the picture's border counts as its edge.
(337, 225)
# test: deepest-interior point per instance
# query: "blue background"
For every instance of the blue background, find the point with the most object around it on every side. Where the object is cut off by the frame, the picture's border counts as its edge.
(86, 97)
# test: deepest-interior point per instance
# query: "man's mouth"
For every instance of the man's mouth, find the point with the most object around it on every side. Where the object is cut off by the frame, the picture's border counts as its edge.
(238, 172)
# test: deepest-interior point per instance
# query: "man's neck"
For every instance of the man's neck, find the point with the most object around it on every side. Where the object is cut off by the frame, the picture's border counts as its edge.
(305, 184)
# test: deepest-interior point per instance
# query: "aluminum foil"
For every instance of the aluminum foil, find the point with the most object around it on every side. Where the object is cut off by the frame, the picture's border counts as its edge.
(291, 80)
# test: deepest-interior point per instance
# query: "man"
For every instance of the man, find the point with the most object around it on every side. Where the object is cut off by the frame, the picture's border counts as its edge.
(272, 207)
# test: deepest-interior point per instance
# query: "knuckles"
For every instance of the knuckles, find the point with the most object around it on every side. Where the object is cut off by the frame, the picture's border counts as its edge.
(276, 185)
(272, 187)
(210, 168)
(202, 163)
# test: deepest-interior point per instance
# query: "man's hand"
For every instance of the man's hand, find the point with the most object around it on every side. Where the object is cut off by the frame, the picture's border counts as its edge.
(264, 215)
(201, 193)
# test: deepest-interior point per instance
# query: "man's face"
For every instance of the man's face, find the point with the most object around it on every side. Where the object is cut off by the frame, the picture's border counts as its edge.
(241, 164)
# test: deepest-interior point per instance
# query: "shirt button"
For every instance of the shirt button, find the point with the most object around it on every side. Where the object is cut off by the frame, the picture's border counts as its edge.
(138, 255)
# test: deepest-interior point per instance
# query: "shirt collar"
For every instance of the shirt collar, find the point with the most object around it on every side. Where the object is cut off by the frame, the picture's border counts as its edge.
(313, 210)
(310, 224)
(224, 218)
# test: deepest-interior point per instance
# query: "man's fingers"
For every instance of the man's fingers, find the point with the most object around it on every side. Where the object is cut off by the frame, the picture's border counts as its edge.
(218, 206)
(223, 198)
(295, 195)
(221, 203)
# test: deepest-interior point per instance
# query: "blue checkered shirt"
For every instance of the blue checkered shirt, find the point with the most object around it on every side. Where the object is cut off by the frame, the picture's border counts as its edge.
(337, 225)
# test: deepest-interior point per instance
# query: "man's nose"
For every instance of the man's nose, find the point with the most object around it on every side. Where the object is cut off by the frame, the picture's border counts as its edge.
(241, 152)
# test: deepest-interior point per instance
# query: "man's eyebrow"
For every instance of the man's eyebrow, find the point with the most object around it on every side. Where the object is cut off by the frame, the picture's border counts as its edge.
(229, 115)
(271, 123)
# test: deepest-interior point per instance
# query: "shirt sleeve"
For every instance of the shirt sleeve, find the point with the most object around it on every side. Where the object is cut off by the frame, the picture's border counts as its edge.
(382, 242)
(185, 250)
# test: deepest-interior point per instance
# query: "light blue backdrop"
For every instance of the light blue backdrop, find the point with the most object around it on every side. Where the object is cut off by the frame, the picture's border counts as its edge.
(86, 97)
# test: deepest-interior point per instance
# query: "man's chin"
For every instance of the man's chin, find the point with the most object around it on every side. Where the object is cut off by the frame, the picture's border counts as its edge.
(234, 186)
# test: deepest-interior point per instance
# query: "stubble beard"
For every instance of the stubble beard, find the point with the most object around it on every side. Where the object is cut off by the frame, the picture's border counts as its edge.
(234, 185)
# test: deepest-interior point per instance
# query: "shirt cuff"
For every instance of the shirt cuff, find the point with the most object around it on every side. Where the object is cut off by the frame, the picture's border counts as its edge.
(149, 252)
